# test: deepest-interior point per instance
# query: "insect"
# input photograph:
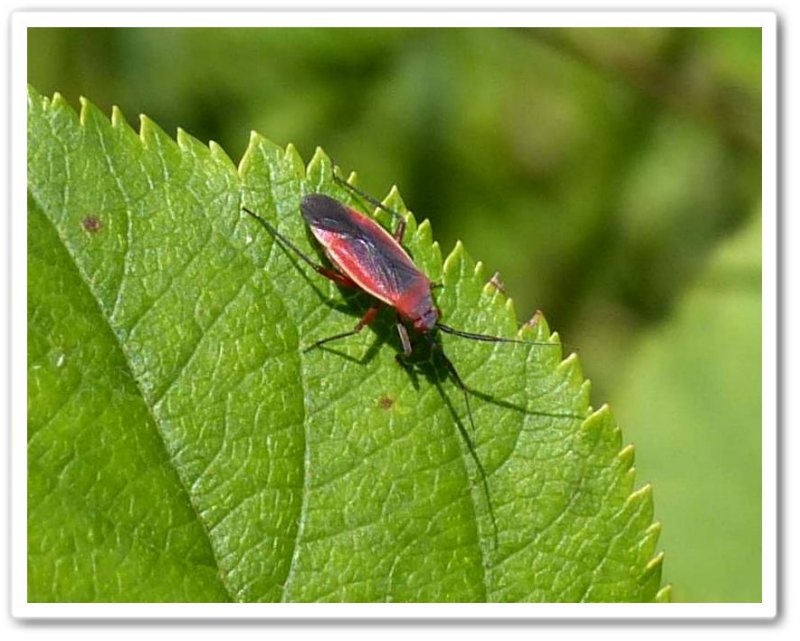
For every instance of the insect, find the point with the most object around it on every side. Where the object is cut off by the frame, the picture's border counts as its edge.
(366, 256)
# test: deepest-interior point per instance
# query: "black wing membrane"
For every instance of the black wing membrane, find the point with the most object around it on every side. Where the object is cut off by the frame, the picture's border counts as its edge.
(393, 268)
(323, 212)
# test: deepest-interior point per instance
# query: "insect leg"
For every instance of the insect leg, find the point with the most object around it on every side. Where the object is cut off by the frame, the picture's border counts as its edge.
(327, 272)
(372, 312)
(401, 222)
(402, 359)
(404, 339)
(400, 231)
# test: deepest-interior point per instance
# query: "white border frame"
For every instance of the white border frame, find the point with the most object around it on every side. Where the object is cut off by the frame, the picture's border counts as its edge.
(20, 21)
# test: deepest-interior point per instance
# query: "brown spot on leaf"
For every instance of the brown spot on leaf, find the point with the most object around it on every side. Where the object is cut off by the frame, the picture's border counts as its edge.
(386, 402)
(92, 224)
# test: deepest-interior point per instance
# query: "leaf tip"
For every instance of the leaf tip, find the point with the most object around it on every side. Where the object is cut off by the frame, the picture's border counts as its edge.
(424, 231)
(295, 161)
(664, 595)
(654, 529)
(536, 328)
(117, 117)
(352, 178)
(249, 152)
(510, 306)
(650, 578)
(395, 201)
(184, 139)
(150, 133)
(495, 284)
(454, 260)
(318, 166)
(655, 562)
(571, 365)
(219, 154)
(640, 496)
(593, 427)
(86, 106)
(627, 455)
(259, 151)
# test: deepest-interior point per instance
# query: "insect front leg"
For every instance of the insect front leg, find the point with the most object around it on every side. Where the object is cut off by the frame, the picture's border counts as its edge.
(402, 359)
(404, 339)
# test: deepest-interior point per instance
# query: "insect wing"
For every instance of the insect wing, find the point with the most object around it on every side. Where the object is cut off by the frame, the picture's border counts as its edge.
(361, 249)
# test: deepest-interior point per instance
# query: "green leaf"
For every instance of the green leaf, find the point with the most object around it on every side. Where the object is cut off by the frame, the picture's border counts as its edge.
(183, 447)
(700, 436)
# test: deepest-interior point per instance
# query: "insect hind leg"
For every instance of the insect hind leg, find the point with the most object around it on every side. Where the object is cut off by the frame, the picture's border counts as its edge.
(331, 274)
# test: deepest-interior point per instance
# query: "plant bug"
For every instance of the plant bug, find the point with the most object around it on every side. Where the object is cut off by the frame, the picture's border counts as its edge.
(365, 256)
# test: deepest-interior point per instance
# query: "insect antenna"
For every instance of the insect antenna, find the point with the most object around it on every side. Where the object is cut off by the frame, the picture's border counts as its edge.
(465, 435)
(487, 338)
(364, 196)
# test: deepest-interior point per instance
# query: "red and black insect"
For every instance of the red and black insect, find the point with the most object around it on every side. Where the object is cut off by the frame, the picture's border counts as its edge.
(366, 256)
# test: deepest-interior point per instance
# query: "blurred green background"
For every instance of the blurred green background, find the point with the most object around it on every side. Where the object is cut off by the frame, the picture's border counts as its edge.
(611, 176)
